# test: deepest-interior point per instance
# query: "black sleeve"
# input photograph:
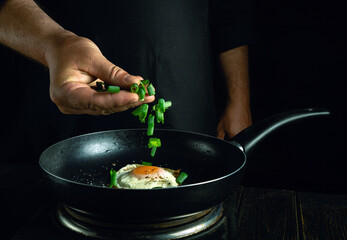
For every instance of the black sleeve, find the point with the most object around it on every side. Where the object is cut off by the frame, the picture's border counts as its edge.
(2, 3)
(231, 24)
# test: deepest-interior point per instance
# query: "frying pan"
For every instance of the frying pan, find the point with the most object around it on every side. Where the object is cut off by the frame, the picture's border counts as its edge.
(77, 169)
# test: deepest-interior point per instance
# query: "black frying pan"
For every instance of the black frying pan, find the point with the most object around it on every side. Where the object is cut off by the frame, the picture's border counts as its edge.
(78, 168)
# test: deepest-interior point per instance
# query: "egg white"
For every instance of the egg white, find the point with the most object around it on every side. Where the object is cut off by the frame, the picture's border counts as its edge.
(164, 179)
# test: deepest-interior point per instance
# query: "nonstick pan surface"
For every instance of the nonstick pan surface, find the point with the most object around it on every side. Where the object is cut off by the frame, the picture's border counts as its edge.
(78, 168)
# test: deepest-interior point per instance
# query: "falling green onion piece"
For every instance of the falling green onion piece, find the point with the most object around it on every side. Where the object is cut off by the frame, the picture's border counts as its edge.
(113, 175)
(168, 104)
(150, 129)
(161, 105)
(145, 81)
(134, 87)
(141, 93)
(160, 116)
(154, 142)
(151, 90)
(146, 163)
(180, 179)
(113, 89)
(141, 112)
(153, 150)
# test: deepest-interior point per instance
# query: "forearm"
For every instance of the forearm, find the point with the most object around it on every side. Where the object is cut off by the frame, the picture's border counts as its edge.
(234, 64)
(27, 29)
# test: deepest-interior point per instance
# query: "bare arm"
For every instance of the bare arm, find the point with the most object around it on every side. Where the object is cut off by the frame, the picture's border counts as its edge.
(74, 62)
(25, 28)
(237, 115)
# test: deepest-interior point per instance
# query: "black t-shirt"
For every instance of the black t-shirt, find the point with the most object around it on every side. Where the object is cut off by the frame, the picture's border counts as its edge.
(172, 43)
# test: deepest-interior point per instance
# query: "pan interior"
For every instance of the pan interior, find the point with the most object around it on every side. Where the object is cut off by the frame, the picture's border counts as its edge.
(87, 159)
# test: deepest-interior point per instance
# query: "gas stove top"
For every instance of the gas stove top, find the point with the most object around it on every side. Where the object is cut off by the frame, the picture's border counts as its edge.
(57, 222)
(34, 214)
(88, 225)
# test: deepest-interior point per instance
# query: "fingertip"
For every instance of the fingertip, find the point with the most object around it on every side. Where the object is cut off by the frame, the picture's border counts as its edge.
(130, 79)
(220, 135)
(149, 99)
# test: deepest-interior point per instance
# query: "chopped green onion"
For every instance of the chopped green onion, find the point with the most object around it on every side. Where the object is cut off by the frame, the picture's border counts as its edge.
(113, 175)
(134, 87)
(141, 112)
(168, 104)
(161, 105)
(150, 129)
(151, 120)
(145, 81)
(153, 150)
(146, 163)
(151, 90)
(154, 142)
(180, 179)
(113, 89)
(160, 116)
(141, 93)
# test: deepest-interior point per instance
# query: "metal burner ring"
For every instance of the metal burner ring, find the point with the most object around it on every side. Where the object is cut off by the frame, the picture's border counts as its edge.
(161, 231)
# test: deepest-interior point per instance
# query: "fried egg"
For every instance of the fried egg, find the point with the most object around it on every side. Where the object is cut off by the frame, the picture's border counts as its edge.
(137, 176)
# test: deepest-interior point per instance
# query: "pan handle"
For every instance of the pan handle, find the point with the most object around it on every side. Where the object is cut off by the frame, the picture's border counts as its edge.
(254, 134)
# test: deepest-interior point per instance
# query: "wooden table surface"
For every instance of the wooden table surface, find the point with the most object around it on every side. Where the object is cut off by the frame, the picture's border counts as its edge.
(283, 214)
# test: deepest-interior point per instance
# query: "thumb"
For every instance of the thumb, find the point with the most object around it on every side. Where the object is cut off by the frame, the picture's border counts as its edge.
(220, 131)
(110, 73)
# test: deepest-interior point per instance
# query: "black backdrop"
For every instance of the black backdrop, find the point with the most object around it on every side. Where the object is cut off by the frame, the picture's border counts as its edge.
(298, 61)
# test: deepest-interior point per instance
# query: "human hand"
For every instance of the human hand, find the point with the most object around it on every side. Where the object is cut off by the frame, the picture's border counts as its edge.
(74, 63)
(234, 119)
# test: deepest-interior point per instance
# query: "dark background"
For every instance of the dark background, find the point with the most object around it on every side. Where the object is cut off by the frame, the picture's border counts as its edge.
(297, 62)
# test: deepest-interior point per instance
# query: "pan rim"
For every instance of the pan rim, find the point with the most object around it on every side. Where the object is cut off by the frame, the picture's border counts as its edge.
(153, 189)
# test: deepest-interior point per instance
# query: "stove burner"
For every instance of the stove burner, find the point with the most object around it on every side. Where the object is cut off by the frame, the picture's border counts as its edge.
(85, 224)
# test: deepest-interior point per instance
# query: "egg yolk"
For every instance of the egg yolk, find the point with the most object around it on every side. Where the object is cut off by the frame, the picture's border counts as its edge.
(144, 171)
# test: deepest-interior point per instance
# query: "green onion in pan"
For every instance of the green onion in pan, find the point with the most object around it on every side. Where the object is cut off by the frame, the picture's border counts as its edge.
(150, 129)
(180, 179)
(142, 93)
(134, 87)
(151, 90)
(113, 175)
(153, 150)
(146, 163)
(159, 115)
(113, 89)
